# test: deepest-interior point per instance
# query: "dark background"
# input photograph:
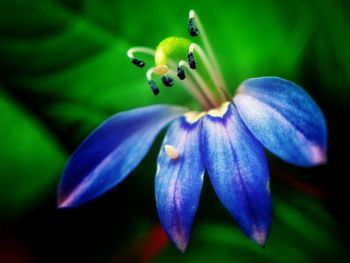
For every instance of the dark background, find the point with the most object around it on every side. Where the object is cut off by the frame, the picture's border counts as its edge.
(63, 70)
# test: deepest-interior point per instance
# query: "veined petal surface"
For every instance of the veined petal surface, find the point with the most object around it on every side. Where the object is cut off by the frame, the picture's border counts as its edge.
(111, 152)
(237, 168)
(179, 180)
(284, 118)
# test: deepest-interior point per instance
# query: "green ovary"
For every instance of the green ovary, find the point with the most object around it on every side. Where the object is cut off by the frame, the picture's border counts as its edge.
(173, 48)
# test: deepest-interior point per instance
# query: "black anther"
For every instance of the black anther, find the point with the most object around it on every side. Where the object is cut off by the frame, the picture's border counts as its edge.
(191, 60)
(137, 62)
(192, 27)
(153, 87)
(167, 81)
(181, 72)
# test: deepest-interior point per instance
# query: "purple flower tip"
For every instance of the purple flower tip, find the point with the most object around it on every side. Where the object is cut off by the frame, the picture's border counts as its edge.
(259, 236)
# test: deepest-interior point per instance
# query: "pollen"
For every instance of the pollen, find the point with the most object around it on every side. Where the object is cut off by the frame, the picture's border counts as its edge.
(171, 151)
(161, 70)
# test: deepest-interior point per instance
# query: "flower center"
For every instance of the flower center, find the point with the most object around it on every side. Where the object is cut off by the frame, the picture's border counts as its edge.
(219, 112)
(195, 67)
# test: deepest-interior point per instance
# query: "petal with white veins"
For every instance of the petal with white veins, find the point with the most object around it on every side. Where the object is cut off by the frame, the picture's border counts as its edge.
(179, 179)
(284, 118)
(111, 152)
(237, 168)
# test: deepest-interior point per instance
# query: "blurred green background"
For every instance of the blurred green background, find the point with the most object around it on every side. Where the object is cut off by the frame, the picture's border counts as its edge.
(63, 70)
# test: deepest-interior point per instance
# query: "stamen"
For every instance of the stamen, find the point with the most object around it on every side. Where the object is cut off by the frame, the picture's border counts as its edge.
(167, 81)
(191, 60)
(202, 84)
(192, 89)
(175, 48)
(151, 82)
(138, 62)
(153, 87)
(192, 27)
(214, 77)
(209, 50)
(181, 72)
(144, 50)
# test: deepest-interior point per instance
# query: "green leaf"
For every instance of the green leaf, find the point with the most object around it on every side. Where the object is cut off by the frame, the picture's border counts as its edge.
(332, 53)
(80, 62)
(31, 160)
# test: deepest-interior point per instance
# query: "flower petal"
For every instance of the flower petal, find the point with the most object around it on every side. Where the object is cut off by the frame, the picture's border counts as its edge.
(111, 152)
(284, 118)
(238, 170)
(179, 180)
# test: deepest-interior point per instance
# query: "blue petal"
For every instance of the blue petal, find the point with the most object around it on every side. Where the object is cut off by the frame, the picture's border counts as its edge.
(111, 152)
(238, 170)
(179, 180)
(284, 118)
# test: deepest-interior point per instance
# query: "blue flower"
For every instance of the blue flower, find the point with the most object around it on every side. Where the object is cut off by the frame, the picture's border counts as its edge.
(226, 139)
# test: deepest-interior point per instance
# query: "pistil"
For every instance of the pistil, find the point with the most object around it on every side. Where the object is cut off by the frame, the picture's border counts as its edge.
(169, 58)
